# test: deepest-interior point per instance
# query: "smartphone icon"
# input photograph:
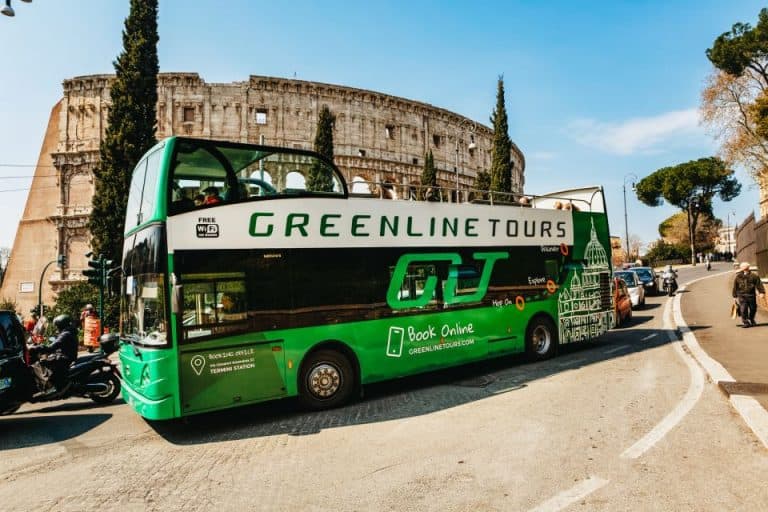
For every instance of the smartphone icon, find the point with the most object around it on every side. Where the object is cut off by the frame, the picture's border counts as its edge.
(395, 341)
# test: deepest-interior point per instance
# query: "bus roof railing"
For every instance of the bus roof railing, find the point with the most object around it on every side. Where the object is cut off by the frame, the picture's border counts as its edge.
(589, 199)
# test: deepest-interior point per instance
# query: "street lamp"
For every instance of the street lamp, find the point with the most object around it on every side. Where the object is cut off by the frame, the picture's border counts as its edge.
(460, 128)
(728, 232)
(8, 10)
(626, 223)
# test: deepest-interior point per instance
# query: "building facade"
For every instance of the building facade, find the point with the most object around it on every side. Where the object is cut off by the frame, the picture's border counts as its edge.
(378, 138)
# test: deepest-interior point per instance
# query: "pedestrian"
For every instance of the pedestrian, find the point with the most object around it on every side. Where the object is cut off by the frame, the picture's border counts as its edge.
(87, 311)
(30, 323)
(38, 332)
(746, 286)
(211, 196)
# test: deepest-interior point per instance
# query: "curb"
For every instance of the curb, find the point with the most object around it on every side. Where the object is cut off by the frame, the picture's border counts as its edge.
(750, 410)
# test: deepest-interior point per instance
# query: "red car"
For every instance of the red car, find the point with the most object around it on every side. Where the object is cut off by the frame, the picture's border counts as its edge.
(622, 303)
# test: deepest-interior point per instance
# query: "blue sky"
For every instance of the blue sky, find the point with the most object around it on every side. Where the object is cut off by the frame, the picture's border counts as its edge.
(596, 91)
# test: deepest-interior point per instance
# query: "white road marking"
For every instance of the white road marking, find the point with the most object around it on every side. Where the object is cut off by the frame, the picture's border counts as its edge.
(572, 495)
(649, 337)
(686, 404)
(615, 349)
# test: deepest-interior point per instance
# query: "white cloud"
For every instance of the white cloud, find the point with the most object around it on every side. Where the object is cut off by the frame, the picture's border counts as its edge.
(541, 155)
(644, 134)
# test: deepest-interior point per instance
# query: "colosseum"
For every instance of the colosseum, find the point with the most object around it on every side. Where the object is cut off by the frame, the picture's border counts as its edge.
(378, 138)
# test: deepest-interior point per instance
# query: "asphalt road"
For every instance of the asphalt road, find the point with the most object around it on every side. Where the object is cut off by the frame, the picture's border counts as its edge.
(624, 423)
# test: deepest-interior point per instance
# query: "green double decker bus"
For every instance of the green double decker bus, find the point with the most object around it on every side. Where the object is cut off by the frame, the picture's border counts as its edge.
(251, 273)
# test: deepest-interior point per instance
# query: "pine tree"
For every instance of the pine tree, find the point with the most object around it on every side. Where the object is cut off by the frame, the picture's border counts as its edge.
(429, 177)
(130, 127)
(501, 168)
(320, 178)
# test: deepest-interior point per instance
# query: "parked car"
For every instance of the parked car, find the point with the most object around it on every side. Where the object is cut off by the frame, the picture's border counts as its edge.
(649, 278)
(14, 359)
(635, 287)
(622, 303)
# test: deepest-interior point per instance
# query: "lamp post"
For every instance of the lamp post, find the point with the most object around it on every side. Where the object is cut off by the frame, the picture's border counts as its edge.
(728, 232)
(8, 10)
(460, 128)
(60, 261)
(626, 222)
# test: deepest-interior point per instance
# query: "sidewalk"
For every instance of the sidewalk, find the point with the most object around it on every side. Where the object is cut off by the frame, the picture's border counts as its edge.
(742, 352)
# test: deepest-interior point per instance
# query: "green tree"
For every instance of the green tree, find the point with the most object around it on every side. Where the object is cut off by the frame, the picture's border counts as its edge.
(319, 177)
(674, 229)
(8, 304)
(501, 166)
(482, 184)
(690, 186)
(744, 47)
(428, 175)
(663, 251)
(130, 127)
(735, 100)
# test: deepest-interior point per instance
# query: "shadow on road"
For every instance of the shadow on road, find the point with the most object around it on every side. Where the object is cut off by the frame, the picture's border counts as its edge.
(25, 431)
(406, 397)
(71, 406)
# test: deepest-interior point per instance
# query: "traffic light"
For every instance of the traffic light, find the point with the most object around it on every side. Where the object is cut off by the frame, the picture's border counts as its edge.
(95, 274)
(61, 261)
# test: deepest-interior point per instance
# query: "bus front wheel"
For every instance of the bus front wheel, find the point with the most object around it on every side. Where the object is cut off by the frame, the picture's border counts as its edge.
(326, 380)
(540, 339)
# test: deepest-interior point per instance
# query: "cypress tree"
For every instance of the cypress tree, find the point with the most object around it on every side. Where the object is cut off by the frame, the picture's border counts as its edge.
(428, 175)
(320, 178)
(482, 184)
(501, 168)
(130, 127)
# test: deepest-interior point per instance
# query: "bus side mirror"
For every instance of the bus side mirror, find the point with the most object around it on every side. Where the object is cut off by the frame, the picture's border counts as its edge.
(176, 298)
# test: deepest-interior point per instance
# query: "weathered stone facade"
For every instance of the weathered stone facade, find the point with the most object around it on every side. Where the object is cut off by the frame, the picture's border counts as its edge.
(377, 138)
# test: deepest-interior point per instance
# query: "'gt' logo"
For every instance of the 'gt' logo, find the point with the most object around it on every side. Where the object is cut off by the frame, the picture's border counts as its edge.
(401, 271)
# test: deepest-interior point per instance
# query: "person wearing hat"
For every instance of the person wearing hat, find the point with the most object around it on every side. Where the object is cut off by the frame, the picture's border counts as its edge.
(746, 286)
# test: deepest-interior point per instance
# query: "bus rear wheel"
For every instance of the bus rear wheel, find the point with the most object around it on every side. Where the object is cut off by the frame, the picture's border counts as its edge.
(326, 380)
(540, 339)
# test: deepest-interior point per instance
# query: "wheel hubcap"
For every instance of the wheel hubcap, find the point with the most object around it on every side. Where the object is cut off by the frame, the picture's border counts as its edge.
(541, 340)
(324, 380)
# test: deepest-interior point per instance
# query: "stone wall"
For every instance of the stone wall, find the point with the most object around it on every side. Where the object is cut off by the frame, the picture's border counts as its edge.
(377, 138)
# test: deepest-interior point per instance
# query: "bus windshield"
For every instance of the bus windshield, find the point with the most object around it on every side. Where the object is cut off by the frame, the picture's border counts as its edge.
(144, 318)
(207, 173)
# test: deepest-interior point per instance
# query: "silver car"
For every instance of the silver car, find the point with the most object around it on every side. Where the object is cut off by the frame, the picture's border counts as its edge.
(635, 287)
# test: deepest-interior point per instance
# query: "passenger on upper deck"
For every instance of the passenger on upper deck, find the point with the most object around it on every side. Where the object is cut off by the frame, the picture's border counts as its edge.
(211, 196)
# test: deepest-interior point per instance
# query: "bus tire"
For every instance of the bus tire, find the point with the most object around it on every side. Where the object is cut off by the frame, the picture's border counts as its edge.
(326, 380)
(540, 338)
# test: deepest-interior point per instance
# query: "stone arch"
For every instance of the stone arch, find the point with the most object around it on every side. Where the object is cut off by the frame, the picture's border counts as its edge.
(295, 179)
(360, 185)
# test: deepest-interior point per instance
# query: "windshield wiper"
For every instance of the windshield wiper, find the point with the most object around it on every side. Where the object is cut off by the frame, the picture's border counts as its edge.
(132, 343)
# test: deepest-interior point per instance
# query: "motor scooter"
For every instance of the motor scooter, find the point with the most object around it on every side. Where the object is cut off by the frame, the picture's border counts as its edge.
(669, 285)
(93, 376)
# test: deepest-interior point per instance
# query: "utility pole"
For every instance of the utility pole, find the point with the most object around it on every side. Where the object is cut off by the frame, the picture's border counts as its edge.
(626, 222)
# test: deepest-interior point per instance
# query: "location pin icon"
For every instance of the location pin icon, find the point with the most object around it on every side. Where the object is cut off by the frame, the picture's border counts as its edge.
(198, 363)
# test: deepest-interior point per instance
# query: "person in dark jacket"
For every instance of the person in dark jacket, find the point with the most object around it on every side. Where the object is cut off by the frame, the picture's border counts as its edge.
(746, 286)
(52, 371)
